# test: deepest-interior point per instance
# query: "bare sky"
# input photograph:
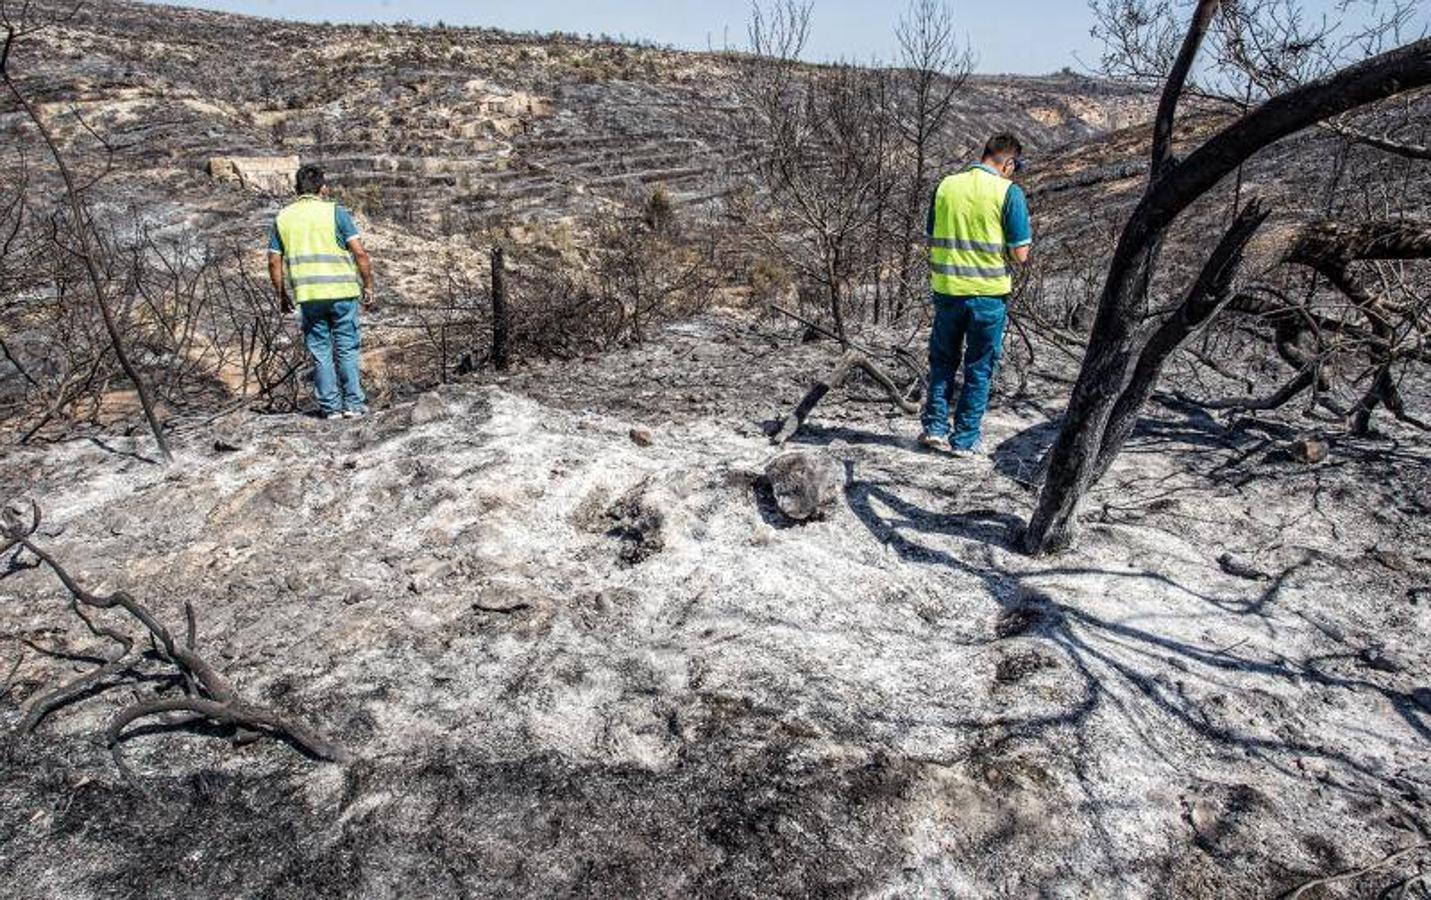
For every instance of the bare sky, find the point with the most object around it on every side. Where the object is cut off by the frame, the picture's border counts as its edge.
(1027, 36)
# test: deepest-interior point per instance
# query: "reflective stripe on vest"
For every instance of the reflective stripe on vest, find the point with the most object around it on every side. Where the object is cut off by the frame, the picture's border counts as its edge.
(966, 250)
(318, 267)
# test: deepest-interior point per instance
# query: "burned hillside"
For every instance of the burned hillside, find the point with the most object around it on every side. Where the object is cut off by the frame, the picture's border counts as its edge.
(638, 572)
(891, 701)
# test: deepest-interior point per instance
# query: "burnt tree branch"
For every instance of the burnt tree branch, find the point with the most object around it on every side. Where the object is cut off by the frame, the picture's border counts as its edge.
(1330, 248)
(210, 696)
(88, 251)
(850, 361)
(1382, 143)
(1117, 339)
(1162, 157)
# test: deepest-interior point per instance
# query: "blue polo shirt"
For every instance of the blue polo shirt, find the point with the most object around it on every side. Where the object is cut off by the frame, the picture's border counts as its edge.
(1017, 230)
(344, 228)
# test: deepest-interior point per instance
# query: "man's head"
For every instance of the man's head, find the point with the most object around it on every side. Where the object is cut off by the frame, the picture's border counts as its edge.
(310, 180)
(1004, 154)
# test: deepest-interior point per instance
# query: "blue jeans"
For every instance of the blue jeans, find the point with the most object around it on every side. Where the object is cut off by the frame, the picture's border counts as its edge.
(330, 332)
(971, 327)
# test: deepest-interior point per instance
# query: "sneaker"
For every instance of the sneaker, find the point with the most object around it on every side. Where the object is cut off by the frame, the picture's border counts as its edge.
(326, 414)
(970, 452)
(933, 442)
(356, 412)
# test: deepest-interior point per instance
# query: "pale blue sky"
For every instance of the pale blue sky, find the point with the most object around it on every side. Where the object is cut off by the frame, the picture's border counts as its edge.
(1028, 36)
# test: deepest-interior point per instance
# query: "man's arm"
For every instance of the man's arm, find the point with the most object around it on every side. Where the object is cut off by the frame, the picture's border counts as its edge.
(349, 236)
(365, 267)
(280, 284)
(275, 270)
(1018, 232)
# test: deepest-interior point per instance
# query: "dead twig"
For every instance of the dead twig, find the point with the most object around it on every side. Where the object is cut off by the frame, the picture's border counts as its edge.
(1356, 873)
(210, 696)
(10, 676)
(515, 607)
(850, 361)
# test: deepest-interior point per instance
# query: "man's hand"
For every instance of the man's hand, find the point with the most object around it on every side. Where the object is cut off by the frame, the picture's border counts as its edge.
(280, 286)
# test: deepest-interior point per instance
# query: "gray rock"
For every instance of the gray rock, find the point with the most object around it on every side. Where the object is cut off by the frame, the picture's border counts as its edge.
(1314, 766)
(428, 408)
(1203, 816)
(1309, 451)
(426, 573)
(641, 437)
(806, 484)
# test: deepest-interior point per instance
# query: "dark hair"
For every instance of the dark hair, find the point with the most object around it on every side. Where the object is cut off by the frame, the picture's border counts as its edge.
(1003, 145)
(310, 179)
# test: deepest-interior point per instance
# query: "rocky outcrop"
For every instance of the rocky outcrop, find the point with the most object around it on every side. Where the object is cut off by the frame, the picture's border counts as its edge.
(268, 174)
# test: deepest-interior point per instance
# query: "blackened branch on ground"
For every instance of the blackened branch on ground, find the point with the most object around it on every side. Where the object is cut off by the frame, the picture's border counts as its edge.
(849, 362)
(1366, 870)
(209, 695)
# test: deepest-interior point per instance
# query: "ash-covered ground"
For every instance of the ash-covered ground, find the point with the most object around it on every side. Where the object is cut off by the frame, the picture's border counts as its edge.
(572, 665)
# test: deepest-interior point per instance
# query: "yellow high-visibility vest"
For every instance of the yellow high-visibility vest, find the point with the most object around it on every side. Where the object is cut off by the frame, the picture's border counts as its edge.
(967, 249)
(318, 267)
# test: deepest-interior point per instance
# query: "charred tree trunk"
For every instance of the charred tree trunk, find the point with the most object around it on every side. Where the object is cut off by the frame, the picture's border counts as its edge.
(1116, 344)
(832, 286)
(501, 324)
(1209, 292)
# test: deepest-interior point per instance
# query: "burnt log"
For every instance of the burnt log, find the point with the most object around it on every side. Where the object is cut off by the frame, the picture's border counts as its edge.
(851, 360)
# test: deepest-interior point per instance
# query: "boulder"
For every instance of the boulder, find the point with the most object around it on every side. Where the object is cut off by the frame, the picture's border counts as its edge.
(806, 484)
(269, 174)
(641, 436)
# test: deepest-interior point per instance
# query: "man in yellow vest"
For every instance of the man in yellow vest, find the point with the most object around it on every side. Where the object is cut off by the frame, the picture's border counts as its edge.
(978, 226)
(315, 251)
